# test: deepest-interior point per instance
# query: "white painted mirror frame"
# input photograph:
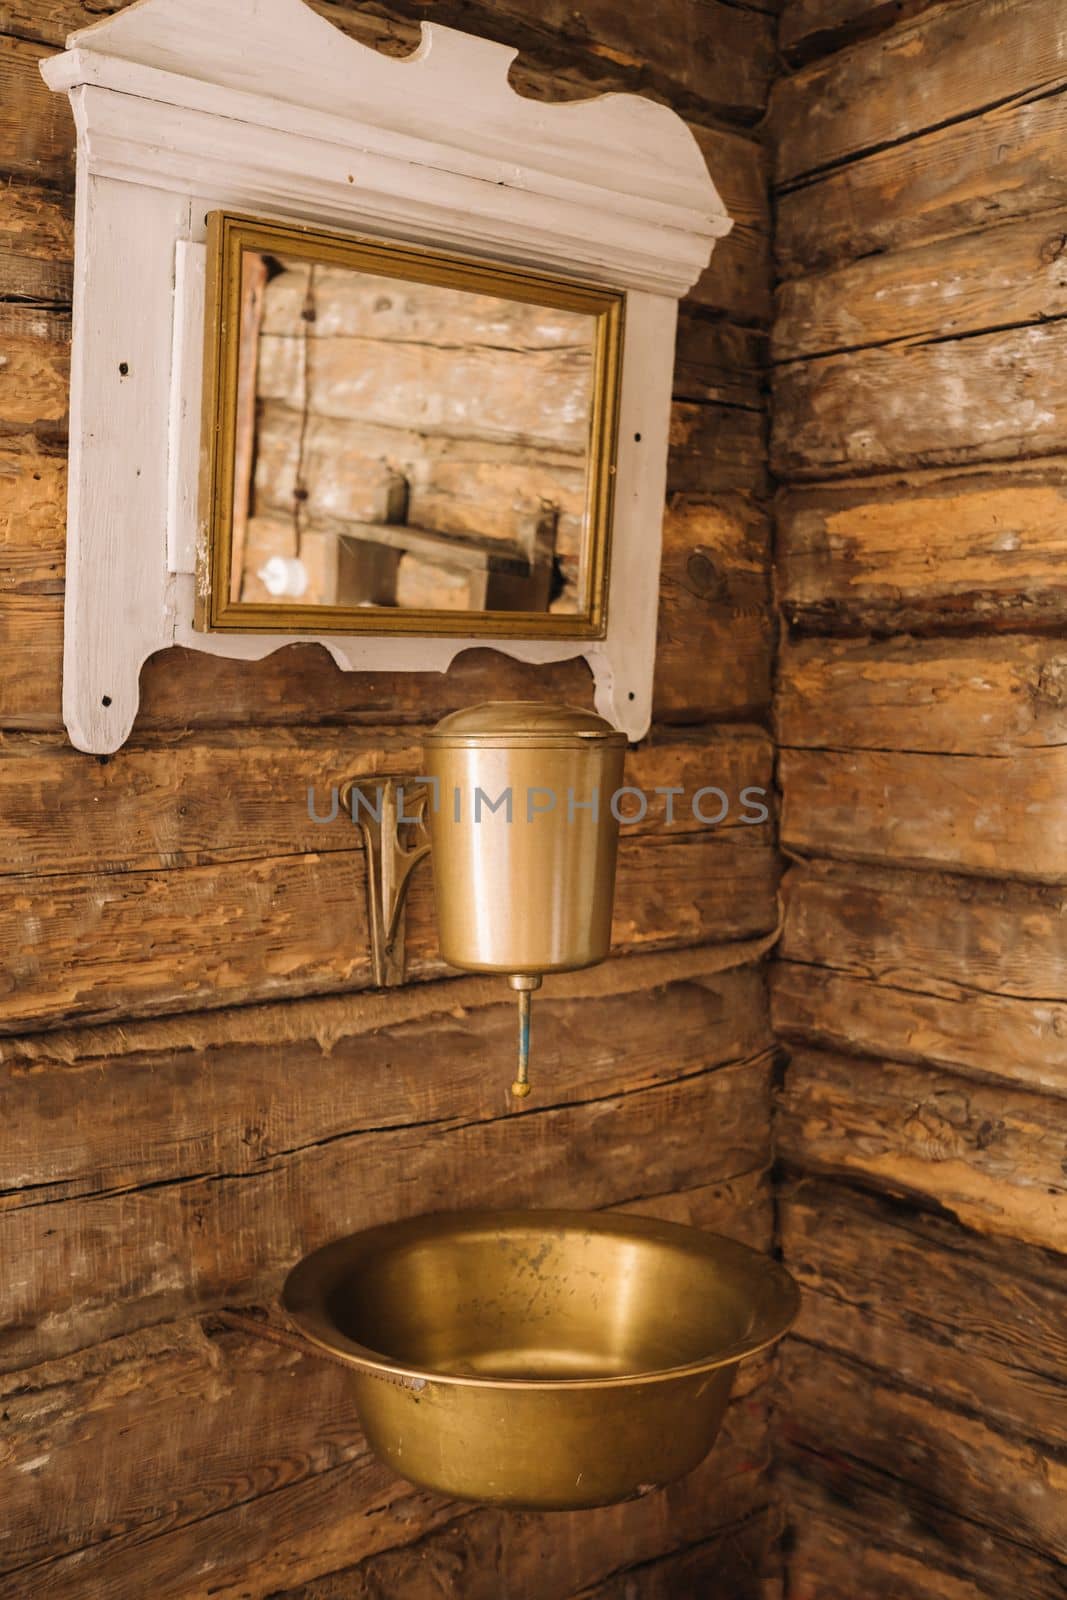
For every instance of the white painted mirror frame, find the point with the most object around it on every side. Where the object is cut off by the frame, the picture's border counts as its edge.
(187, 106)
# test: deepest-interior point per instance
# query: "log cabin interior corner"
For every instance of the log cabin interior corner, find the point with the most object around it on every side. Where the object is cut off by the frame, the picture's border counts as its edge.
(533, 780)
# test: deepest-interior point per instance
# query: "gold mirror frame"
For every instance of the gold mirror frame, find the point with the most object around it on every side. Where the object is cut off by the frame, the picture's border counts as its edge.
(228, 236)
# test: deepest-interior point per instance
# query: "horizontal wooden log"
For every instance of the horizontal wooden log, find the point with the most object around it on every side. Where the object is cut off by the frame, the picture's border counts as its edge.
(738, 278)
(719, 360)
(119, 1260)
(224, 1465)
(716, 449)
(980, 1035)
(155, 805)
(923, 967)
(1002, 816)
(713, 56)
(854, 1532)
(940, 550)
(995, 278)
(947, 1466)
(993, 397)
(967, 1320)
(98, 945)
(948, 63)
(739, 1561)
(142, 1102)
(962, 758)
(974, 697)
(989, 1155)
(888, 924)
(1002, 164)
(808, 29)
(36, 126)
(716, 635)
(714, 652)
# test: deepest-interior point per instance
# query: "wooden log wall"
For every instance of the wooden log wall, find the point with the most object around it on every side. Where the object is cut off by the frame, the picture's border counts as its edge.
(199, 1083)
(920, 433)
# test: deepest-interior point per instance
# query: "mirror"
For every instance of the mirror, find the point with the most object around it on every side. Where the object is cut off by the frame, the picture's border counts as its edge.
(402, 441)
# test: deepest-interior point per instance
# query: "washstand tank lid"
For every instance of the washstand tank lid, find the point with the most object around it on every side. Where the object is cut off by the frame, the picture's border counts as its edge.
(521, 722)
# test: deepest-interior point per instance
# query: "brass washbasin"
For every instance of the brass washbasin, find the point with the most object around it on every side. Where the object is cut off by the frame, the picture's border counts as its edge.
(545, 1360)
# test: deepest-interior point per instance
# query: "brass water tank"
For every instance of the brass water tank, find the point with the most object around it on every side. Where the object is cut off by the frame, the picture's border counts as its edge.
(525, 833)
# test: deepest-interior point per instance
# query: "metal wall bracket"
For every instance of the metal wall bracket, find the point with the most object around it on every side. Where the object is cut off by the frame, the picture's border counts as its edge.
(391, 813)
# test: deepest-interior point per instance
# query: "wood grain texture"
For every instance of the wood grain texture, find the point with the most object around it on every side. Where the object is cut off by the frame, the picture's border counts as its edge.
(182, 1515)
(999, 816)
(808, 29)
(716, 636)
(36, 126)
(99, 945)
(1003, 164)
(994, 278)
(924, 967)
(709, 57)
(930, 550)
(35, 372)
(881, 923)
(947, 1466)
(718, 360)
(95, 1112)
(949, 63)
(957, 1316)
(716, 449)
(858, 1532)
(988, 1155)
(981, 696)
(157, 805)
(714, 652)
(918, 331)
(551, 1559)
(123, 1259)
(994, 397)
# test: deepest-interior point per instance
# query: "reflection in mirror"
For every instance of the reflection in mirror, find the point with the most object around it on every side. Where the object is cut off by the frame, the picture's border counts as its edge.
(405, 445)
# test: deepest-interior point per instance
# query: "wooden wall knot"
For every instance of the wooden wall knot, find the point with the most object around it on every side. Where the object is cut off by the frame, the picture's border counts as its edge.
(704, 578)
